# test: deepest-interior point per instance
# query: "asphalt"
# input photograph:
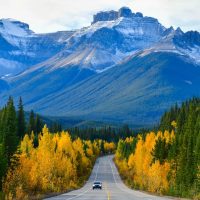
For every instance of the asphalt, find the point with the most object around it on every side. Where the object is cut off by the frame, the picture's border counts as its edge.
(113, 188)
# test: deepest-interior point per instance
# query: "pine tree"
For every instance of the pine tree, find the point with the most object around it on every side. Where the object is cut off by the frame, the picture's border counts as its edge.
(31, 124)
(10, 135)
(38, 125)
(3, 163)
(189, 130)
(2, 124)
(21, 120)
(197, 162)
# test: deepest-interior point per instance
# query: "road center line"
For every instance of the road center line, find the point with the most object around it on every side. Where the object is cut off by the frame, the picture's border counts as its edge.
(107, 191)
(81, 194)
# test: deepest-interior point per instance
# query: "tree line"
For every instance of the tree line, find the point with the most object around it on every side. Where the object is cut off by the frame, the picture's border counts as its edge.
(34, 160)
(107, 133)
(57, 164)
(185, 151)
(166, 161)
(13, 126)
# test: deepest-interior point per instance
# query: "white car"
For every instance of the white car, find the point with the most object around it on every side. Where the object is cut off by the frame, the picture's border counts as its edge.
(97, 185)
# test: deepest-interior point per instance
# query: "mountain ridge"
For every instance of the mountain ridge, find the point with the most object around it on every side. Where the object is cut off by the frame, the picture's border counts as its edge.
(77, 79)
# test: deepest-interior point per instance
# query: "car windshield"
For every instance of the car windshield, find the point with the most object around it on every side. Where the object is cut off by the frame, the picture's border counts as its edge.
(97, 183)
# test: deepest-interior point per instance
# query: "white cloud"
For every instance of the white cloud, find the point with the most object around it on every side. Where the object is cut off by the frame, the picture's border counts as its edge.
(53, 15)
(177, 13)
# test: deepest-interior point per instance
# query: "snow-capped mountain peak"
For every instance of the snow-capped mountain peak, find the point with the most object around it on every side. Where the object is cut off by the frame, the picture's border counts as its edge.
(14, 27)
(112, 37)
(112, 15)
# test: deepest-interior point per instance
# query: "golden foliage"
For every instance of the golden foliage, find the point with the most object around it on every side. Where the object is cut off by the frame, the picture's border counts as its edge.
(139, 168)
(56, 165)
(109, 147)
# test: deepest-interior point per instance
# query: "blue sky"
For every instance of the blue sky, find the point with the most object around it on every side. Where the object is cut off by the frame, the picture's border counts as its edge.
(53, 15)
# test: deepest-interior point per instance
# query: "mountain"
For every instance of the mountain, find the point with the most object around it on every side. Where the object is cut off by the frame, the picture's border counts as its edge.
(124, 67)
(136, 91)
(21, 48)
(97, 47)
(3, 86)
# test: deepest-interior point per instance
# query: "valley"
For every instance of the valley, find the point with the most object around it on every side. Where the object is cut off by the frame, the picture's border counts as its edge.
(124, 68)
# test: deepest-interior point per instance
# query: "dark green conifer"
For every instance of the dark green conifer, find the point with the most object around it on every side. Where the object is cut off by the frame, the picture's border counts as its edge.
(21, 120)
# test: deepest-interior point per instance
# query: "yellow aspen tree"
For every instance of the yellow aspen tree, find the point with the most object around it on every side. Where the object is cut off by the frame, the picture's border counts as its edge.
(158, 181)
(167, 136)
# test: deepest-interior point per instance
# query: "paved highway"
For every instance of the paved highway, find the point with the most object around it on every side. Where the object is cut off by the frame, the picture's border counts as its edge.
(113, 187)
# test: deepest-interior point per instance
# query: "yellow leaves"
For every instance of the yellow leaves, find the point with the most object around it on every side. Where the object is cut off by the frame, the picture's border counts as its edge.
(45, 130)
(174, 124)
(141, 171)
(150, 141)
(122, 167)
(172, 135)
(142, 160)
(129, 139)
(89, 149)
(86, 163)
(63, 173)
(131, 161)
(167, 136)
(57, 164)
(96, 148)
(159, 134)
(26, 145)
(89, 152)
(158, 177)
(131, 165)
(139, 137)
(109, 147)
(64, 144)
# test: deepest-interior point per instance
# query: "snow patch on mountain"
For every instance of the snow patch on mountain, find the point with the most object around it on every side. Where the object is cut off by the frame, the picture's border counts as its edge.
(168, 44)
(112, 37)
(88, 31)
(193, 53)
(14, 27)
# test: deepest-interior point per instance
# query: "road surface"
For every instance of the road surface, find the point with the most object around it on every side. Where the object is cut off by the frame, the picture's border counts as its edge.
(113, 187)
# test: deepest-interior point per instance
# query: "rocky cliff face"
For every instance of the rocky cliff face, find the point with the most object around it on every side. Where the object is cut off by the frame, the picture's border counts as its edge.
(105, 16)
(112, 36)
(125, 12)
(190, 38)
(113, 15)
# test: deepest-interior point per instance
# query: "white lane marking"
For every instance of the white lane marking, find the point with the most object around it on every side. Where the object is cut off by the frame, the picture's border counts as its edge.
(132, 192)
(81, 194)
(78, 195)
(126, 191)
